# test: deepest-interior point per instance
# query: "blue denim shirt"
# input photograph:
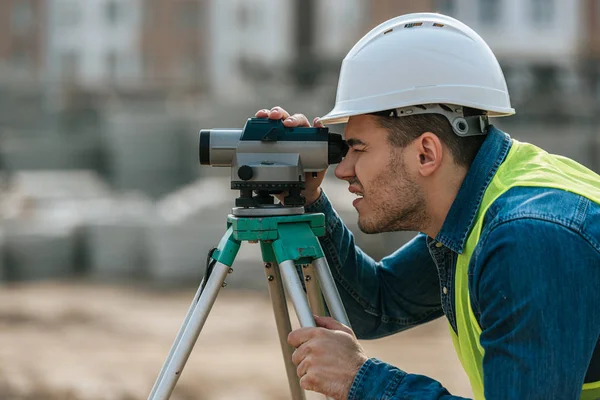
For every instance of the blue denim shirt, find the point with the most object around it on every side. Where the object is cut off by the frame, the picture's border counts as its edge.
(534, 281)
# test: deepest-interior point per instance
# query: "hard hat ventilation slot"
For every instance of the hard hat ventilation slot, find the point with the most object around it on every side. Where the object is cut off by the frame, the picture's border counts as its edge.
(412, 25)
(388, 31)
(436, 25)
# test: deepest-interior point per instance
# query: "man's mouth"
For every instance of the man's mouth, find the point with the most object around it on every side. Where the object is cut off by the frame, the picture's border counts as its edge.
(356, 191)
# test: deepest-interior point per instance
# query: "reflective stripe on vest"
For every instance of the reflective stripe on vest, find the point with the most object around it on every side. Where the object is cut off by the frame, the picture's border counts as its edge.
(525, 165)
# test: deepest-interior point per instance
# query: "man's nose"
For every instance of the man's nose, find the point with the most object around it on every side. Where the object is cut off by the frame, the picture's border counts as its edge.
(345, 169)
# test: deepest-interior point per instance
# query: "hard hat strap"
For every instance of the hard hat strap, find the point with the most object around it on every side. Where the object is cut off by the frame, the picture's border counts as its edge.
(462, 125)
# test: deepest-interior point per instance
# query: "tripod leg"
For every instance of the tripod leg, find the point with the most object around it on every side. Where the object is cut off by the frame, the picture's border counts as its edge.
(313, 290)
(177, 339)
(284, 327)
(293, 287)
(330, 292)
(172, 370)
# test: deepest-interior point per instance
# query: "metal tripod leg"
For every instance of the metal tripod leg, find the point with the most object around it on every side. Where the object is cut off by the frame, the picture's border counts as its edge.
(195, 318)
(294, 290)
(313, 290)
(284, 327)
(191, 330)
(177, 339)
(330, 292)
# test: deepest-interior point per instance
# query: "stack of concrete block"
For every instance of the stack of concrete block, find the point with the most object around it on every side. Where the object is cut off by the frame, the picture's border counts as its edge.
(47, 150)
(40, 248)
(42, 215)
(144, 152)
(116, 237)
(2, 256)
(46, 187)
(192, 221)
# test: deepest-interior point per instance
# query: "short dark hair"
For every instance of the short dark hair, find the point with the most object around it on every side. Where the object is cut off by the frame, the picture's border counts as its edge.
(403, 130)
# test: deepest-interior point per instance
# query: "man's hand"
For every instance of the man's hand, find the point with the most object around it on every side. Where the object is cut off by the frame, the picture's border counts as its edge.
(328, 357)
(313, 184)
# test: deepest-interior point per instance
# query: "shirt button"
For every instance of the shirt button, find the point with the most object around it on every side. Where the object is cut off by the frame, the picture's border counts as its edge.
(445, 290)
(438, 245)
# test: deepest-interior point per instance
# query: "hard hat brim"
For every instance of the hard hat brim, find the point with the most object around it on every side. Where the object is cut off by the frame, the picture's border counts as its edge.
(337, 116)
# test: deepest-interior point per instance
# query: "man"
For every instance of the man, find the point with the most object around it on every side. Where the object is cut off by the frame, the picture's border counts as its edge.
(510, 242)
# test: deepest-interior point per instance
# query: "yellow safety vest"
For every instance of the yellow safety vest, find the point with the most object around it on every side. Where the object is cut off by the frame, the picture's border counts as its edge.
(525, 165)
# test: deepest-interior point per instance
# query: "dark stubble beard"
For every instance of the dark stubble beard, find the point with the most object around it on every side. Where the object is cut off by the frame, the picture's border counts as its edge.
(397, 202)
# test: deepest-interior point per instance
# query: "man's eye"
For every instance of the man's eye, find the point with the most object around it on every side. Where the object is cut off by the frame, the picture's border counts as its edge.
(358, 150)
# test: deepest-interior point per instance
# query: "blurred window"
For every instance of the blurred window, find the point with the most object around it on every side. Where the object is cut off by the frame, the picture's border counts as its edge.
(187, 68)
(112, 12)
(542, 12)
(149, 12)
(188, 15)
(22, 16)
(489, 11)
(69, 65)
(112, 66)
(69, 13)
(446, 7)
(148, 66)
(20, 59)
(242, 16)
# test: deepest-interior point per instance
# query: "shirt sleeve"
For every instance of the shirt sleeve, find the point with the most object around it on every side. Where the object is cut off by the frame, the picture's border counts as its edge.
(384, 297)
(536, 295)
(378, 380)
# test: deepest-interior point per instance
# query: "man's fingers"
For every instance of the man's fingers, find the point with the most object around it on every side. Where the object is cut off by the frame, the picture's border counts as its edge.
(308, 382)
(290, 121)
(300, 354)
(301, 335)
(317, 123)
(296, 120)
(332, 324)
(264, 113)
(278, 113)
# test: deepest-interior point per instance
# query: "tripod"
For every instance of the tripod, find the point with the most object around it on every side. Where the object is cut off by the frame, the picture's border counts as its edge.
(287, 239)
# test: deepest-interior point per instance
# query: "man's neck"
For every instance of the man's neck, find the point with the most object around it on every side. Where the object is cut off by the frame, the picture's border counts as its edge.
(440, 194)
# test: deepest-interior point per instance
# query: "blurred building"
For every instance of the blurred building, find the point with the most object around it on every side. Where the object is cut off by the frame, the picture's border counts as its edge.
(340, 24)
(22, 47)
(590, 46)
(382, 10)
(257, 41)
(536, 41)
(249, 41)
(174, 36)
(94, 44)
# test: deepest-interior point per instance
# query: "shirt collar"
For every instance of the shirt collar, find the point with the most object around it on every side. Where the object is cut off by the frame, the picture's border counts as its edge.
(461, 216)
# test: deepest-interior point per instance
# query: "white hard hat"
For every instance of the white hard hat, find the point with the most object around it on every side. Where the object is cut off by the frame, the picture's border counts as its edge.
(415, 59)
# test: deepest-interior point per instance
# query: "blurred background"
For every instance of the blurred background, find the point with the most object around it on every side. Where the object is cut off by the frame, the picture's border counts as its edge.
(106, 216)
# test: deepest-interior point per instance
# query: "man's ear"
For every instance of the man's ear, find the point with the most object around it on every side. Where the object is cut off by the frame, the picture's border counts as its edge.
(430, 151)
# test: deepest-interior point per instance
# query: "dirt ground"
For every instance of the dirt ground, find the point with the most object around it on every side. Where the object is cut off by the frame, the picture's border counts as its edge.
(76, 341)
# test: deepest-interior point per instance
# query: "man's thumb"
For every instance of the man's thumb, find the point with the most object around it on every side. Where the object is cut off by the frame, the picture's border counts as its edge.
(331, 324)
